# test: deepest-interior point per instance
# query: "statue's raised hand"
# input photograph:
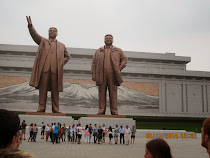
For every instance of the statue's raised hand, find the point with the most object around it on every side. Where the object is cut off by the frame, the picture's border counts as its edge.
(29, 21)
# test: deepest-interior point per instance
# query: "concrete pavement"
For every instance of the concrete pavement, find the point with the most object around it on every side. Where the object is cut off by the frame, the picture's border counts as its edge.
(181, 148)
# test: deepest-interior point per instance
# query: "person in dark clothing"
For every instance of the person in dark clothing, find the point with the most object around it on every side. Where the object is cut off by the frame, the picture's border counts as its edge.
(9, 134)
(122, 130)
(95, 133)
(100, 134)
(90, 131)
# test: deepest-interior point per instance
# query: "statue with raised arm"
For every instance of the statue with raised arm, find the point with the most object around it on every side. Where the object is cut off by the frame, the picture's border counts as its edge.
(47, 73)
(107, 64)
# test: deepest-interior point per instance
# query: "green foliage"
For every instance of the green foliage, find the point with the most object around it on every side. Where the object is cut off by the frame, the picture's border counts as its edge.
(20, 112)
(164, 118)
(190, 127)
(78, 115)
(192, 124)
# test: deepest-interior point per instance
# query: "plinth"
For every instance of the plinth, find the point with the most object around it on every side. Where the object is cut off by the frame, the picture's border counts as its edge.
(108, 120)
(106, 116)
(45, 114)
(47, 118)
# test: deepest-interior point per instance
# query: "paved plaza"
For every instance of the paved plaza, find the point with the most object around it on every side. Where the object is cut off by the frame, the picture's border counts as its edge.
(181, 148)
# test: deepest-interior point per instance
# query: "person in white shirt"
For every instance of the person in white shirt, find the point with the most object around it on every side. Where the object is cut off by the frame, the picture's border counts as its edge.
(76, 136)
(127, 135)
(79, 133)
(53, 136)
(47, 129)
(73, 132)
(104, 133)
(95, 133)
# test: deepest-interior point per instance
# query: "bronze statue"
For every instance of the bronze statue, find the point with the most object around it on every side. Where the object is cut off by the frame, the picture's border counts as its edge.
(47, 73)
(107, 63)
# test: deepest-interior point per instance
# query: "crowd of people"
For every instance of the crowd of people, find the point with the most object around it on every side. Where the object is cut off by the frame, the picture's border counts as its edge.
(11, 136)
(58, 132)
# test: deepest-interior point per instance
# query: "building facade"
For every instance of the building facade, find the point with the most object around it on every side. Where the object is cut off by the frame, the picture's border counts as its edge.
(156, 84)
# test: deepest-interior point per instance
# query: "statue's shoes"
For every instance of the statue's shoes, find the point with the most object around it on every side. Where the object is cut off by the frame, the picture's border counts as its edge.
(56, 112)
(41, 111)
(100, 113)
(114, 113)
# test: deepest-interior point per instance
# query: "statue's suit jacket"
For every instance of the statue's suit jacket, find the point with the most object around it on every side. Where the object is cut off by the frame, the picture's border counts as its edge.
(118, 61)
(43, 50)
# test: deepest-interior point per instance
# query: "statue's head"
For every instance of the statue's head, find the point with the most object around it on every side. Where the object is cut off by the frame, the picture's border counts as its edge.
(108, 39)
(53, 32)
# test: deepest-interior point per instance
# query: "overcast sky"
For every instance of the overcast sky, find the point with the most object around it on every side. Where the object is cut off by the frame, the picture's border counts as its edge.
(158, 26)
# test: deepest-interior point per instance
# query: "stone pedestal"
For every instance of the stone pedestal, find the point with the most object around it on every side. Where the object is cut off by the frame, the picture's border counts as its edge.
(45, 114)
(106, 116)
(108, 121)
(38, 119)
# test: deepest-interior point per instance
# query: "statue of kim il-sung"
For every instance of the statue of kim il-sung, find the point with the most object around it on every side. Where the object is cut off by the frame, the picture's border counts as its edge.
(107, 64)
(47, 73)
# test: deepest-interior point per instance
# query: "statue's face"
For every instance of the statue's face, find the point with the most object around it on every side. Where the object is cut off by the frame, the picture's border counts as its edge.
(108, 40)
(53, 33)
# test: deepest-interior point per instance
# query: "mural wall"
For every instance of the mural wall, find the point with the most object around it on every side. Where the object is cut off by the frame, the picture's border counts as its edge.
(79, 96)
